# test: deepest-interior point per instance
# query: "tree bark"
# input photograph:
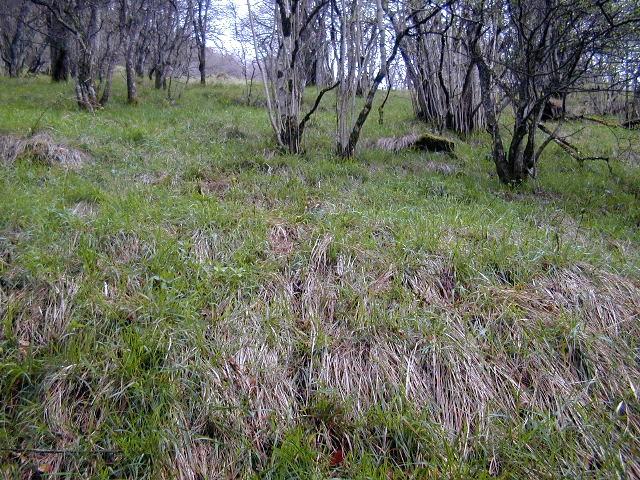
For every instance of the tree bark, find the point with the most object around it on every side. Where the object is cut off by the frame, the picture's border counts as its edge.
(17, 49)
(106, 93)
(202, 59)
(59, 50)
(132, 90)
(86, 95)
(493, 128)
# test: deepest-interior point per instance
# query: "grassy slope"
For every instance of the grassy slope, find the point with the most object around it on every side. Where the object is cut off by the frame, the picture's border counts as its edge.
(190, 303)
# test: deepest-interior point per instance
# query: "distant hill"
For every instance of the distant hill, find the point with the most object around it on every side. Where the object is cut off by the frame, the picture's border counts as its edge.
(219, 63)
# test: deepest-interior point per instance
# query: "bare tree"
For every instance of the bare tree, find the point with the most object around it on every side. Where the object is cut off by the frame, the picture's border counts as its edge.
(171, 31)
(350, 64)
(443, 80)
(132, 14)
(81, 18)
(199, 11)
(282, 67)
(16, 35)
(532, 52)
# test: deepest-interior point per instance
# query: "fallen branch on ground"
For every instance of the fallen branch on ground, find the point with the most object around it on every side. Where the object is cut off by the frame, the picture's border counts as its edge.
(572, 150)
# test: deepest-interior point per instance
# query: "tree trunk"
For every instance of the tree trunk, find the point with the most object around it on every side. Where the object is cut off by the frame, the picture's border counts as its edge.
(141, 59)
(202, 58)
(160, 79)
(106, 93)
(59, 50)
(86, 95)
(17, 47)
(493, 128)
(132, 91)
(85, 86)
(130, 34)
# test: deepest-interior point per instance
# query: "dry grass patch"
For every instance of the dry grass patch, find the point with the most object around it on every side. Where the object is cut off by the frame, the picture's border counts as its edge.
(84, 210)
(126, 247)
(157, 178)
(433, 281)
(284, 238)
(511, 357)
(40, 148)
(207, 246)
(41, 313)
(217, 187)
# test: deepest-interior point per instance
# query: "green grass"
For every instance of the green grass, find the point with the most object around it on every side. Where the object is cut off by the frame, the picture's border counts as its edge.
(192, 304)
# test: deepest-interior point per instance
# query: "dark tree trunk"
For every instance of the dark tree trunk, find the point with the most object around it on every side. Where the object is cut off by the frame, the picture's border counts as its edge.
(141, 60)
(202, 59)
(499, 158)
(160, 76)
(17, 49)
(59, 50)
(349, 149)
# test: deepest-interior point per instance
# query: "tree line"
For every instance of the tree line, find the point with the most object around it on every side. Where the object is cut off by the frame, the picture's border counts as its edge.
(464, 61)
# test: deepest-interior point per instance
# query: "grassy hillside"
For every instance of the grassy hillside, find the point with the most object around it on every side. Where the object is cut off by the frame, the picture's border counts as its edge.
(188, 303)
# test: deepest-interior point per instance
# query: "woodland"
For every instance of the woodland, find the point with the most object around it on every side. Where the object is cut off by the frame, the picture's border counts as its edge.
(364, 239)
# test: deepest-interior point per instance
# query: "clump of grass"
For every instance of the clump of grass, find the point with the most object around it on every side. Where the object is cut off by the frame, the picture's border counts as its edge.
(40, 148)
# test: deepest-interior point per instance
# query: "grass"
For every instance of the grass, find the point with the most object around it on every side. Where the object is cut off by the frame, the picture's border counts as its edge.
(191, 304)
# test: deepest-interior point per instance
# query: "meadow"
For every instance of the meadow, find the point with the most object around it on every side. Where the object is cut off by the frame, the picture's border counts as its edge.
(184, 301)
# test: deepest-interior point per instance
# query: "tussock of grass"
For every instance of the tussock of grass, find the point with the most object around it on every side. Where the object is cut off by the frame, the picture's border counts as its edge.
(40, 148)
(192, 305)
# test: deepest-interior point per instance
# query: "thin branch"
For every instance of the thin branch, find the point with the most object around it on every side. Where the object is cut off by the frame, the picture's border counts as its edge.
(315, 106)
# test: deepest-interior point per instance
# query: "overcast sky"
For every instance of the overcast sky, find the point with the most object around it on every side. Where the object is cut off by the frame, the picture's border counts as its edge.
(227, 37)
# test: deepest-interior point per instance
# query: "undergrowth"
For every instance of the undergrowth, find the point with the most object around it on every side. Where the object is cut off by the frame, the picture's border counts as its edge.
(189, 303)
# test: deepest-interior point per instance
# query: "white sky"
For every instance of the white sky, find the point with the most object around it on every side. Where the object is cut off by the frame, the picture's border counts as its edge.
(226, 26)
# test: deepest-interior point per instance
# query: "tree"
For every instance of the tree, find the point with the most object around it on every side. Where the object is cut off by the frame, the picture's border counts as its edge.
(350, 70)
(171, 31)
(14, 31)
(199, 11)
(81, 18)
(443, 80)
(280, 60)
(59, 48)
(133, 15)
(533, 51)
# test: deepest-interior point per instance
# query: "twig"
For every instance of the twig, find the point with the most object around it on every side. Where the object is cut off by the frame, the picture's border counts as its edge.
(315, 106)
(572, 150)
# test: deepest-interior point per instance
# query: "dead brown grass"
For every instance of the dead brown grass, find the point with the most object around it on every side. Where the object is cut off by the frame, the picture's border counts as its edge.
(40, 148)
(41, 314)
(557, 346)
